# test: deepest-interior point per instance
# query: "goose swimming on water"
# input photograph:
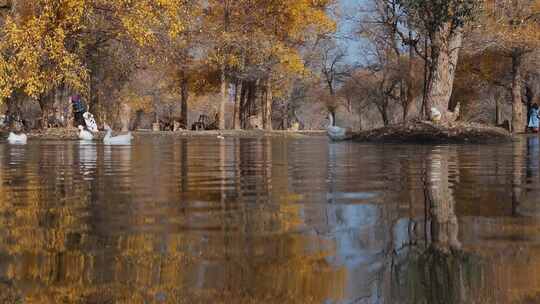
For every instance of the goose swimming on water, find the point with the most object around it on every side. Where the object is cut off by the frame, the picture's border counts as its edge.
(17, 139)
(335, 132)
(85, 134)
(124, 139)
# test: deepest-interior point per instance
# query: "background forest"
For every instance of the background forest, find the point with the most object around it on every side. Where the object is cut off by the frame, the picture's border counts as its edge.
(271, 64)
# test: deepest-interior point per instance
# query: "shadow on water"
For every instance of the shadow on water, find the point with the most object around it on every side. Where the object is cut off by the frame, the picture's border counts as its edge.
(269, 221)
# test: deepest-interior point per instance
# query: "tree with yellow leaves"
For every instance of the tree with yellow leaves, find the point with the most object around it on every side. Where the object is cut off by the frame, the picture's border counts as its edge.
(249, 41)
(46, 44)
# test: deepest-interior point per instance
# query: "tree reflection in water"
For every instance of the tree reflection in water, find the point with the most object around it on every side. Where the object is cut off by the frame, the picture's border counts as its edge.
(269, 221)
(435, 269)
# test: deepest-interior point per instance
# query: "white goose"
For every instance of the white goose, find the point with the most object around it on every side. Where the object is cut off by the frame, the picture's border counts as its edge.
(15, 139)
(335, 132)
(124, 139)
(85, 134)
(435, 115)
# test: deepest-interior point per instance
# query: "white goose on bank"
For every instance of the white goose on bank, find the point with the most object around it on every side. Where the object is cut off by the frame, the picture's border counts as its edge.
(85, 134)
(124, 139)
(335, 132)
(435, 115)
(17, 139)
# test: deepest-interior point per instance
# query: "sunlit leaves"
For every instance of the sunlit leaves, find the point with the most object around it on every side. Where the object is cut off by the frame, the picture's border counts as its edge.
(35, 57)
(43, 42)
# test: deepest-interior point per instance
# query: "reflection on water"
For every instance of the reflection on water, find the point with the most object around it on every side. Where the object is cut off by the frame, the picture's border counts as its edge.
(269, 221)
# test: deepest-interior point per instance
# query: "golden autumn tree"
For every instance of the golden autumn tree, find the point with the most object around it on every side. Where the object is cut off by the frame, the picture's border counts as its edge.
(250, 40)
(36, 55)
(46, 44)
(512, 29)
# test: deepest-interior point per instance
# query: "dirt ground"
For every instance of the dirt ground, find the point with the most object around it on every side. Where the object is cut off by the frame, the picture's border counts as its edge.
(427, 132)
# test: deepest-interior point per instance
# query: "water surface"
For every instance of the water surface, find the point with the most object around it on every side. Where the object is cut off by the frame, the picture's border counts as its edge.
(171, 220)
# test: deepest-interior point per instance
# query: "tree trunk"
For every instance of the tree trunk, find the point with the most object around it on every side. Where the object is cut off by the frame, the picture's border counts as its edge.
(517, 105)
(384, 115)
(498, 110)
(383, 109)
(46, 105)
(222, 102)
(409, 82)
(529, 96)
(125, 116)
(237, 100)
(267, 114)
(445, 53)
(184, 102)
(242, 104)
(285, 118)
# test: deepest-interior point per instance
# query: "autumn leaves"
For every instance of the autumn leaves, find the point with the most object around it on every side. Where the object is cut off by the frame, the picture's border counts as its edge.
(48, 44)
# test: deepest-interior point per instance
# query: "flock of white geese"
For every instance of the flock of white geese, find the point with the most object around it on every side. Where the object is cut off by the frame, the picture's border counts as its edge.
(84, 135)
(334, 133)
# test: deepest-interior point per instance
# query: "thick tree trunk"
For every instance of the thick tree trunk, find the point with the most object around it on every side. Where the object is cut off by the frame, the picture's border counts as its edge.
(445, 53)
(409, 82)
(222, 102)
(47, 107)
(518, 123)
(184, 102)
(137, 120)
(253, 115)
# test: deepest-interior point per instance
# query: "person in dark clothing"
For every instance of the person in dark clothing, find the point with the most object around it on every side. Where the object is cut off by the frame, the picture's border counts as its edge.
(78, 110)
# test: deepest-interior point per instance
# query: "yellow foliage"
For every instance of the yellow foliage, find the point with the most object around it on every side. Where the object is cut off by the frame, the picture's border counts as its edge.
(35, 57)
(42, 43)
(264, 35)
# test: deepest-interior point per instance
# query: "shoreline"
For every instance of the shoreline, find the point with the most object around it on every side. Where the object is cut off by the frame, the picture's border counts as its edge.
(414, 132)
(72, 133)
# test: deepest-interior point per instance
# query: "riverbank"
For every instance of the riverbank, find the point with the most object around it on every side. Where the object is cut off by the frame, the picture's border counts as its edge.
(72, 133)
(415, 132)
(420, 132)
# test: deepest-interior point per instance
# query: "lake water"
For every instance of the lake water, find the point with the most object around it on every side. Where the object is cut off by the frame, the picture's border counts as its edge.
(171, 220)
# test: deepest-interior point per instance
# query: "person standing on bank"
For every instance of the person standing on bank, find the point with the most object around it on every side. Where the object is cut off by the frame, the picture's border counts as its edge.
(78, 110)
(534, 119)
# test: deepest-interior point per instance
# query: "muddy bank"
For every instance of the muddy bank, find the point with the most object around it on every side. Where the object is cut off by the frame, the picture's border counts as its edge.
(72, 134)
(419, 132)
